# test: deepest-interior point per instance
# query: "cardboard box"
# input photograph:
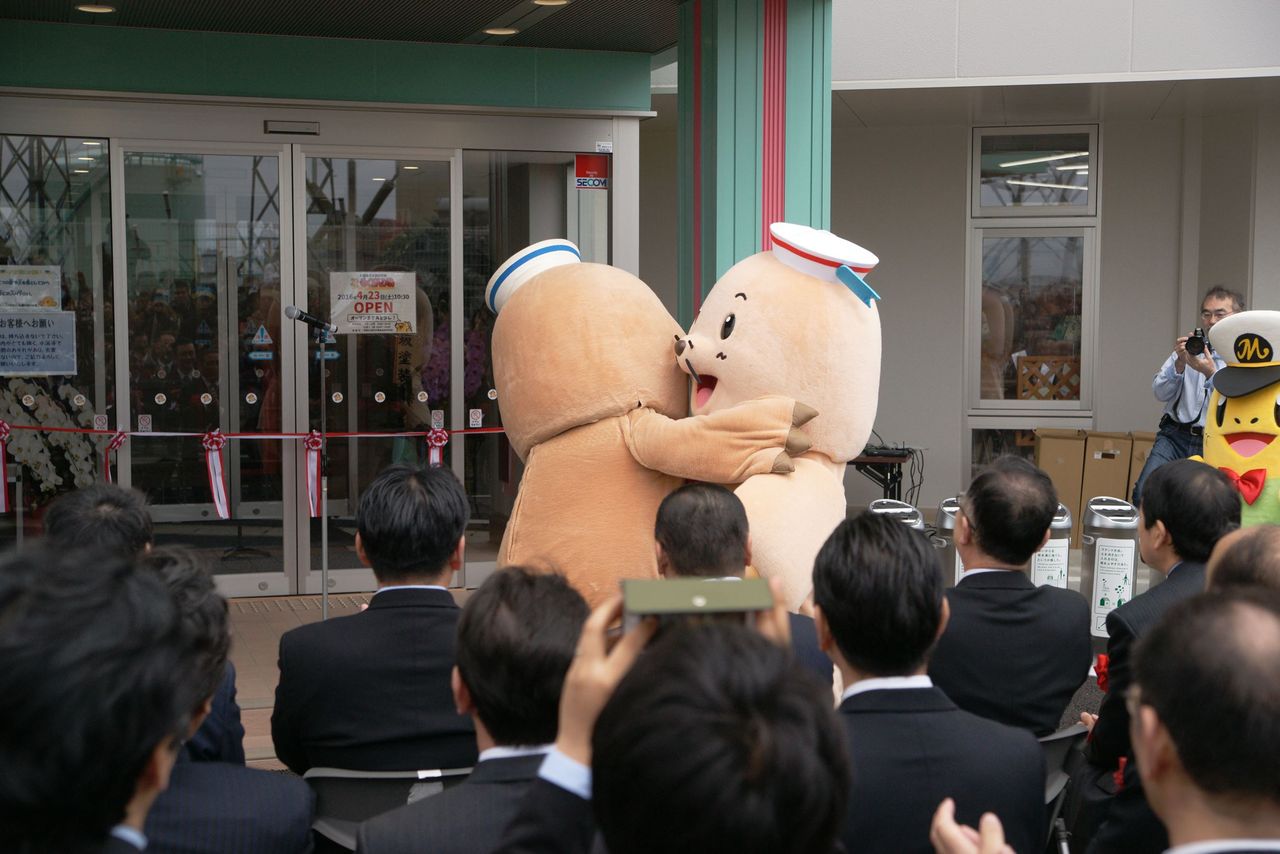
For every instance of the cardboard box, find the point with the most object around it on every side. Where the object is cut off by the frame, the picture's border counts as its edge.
(1106, 466)
(1061, 454)
(1142, 445)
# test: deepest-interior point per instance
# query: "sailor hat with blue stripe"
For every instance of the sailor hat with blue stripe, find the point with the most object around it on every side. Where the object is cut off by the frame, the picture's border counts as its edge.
(524, 265)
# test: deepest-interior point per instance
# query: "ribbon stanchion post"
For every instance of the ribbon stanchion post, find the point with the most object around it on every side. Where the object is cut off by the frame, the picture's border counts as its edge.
(213, 442)
(113, 445)
(436, 440)
(314, 445)
(4, 467)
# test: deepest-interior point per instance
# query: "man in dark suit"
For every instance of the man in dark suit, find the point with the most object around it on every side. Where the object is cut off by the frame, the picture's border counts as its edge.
(1208, 765)
(1012, 652)
(701, 532)
(213, 807)
(370, 691)
(712, 741)
(515, 641)
(879, 607)
(93, 701)
(107, 518)
(1187, 507)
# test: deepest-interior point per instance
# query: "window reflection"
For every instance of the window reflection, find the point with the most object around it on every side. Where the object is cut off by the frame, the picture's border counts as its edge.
(1035, 170)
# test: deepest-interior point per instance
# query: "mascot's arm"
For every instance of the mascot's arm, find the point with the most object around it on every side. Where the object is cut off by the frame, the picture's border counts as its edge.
(728, 446)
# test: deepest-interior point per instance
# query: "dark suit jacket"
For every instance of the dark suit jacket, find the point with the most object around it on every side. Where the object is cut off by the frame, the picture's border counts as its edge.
(804, 645)
(217, 807)
(1130, 825)
(370, 691)
(549, 820)
(467, 819)
(221, 736)
(1013, 652)
(117, 846)
(910, 748)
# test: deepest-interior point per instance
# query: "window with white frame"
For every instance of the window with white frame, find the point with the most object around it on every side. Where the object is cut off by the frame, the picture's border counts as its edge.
(1032, 284)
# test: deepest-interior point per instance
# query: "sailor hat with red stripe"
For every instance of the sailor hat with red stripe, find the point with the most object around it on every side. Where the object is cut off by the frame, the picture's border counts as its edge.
(818, 253)
(524, 265)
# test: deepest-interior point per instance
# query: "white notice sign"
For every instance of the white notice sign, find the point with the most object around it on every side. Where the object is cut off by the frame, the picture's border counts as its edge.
(31, 288)
(1049, 565)
(1112, 580)
(37, 343)
(373, 303)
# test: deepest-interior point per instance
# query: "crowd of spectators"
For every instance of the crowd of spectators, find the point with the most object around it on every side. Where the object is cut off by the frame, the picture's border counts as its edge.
(899, 716)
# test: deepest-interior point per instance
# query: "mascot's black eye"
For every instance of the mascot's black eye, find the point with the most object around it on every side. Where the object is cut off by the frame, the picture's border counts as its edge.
(1222, 411)
(727, 329)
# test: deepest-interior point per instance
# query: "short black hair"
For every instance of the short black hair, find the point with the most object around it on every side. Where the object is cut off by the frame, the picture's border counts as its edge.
(103, 517)
(716, 741)
(92, 683)
(1010, 505)
(879, 585)
(516, 639)
(1253, 559)
(1211, 671)
(702, 528)
(410, 520)
(202, 612)
(1196, 503)
(1219, 292)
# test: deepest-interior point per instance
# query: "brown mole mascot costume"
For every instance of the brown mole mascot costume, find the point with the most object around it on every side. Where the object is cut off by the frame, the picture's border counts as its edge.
(593, 403)
(797, 320)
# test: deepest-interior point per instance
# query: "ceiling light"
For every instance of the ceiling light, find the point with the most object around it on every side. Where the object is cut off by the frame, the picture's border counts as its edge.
(379, 179)
(1073, 167)
(86, 159)
(1046, 158)
(96, 8)
(501, 31)
(81, 171)
(1043, 184)
(551, 2)
(410, 167)
(90, 142)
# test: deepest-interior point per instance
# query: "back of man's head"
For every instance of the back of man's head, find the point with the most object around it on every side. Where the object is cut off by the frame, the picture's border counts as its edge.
(879, 587)
(202, 612)
(1196, 503)
(1211, 671)
(1252, 557)
(103, 518)
(702, 528)
(1010, 506)
(516, 639)
(716, 741)
(91, 686)
(410, 521)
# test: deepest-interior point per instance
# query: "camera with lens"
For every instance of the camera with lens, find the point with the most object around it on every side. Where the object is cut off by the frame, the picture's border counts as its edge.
(1195, 343)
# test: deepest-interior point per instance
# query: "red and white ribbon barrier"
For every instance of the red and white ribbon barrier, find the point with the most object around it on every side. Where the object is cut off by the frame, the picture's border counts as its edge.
(213, 443)
(113, 445)
(4, 466)
(314, 445)
(436, 440)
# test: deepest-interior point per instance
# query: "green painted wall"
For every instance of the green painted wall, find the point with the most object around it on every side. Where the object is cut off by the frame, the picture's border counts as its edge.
(121, 59)
(808, 177)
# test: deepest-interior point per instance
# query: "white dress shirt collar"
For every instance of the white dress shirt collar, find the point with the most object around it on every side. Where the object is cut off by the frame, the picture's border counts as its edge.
(1213, 846)
(503, 751)
(886, 683)
(410, 587)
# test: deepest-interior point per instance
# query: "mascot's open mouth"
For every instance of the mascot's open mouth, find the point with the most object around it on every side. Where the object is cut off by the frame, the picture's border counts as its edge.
(706, 385)
(1248, 444)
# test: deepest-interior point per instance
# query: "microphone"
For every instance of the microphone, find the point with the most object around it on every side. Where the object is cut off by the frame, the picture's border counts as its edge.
(294, 313)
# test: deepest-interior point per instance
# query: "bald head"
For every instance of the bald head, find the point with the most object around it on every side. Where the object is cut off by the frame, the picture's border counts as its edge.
(1248, 556)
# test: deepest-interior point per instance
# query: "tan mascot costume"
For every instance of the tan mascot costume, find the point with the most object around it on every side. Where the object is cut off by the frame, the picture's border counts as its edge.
(797, 321)
(589, 394)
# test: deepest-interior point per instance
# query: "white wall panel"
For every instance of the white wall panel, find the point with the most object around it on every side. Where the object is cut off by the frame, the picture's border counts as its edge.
(1184, 34)
(889, 41)
(1012, 38)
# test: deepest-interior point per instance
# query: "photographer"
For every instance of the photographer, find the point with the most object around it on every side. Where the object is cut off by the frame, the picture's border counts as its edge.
(1183, 384)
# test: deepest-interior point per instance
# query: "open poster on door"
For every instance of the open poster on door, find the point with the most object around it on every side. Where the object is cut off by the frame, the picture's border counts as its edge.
(373, 303)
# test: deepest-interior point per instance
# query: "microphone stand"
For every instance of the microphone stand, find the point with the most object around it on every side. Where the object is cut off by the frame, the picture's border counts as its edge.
(322, 336)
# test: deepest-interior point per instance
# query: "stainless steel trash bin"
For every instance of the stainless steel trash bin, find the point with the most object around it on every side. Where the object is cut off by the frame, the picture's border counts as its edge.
(1110, 560)
(900, 510)
(944, 540)
(1049, 565)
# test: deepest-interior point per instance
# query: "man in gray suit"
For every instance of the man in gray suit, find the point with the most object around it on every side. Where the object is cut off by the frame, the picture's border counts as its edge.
(516, 639)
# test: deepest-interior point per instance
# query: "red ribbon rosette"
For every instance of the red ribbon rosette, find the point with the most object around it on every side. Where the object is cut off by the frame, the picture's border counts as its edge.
(213, 442)
(436, 440)
(4, 466)
(115, 443)
(314, 445)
